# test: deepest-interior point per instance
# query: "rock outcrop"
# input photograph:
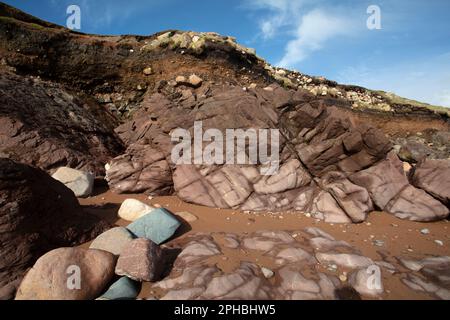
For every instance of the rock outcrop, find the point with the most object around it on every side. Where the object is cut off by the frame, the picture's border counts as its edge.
(331, 166)
(305, 264)
(37, 214)
(47, 126)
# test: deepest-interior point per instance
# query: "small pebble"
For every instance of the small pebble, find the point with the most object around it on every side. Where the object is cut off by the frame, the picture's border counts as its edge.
(425, 231)
(378, 243)
(439, 242)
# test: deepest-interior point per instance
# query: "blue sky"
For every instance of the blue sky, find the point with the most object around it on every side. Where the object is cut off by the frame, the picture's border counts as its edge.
(410, 55)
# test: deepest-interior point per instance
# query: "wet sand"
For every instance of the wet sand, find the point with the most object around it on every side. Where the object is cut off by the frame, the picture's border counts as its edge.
(401, 238)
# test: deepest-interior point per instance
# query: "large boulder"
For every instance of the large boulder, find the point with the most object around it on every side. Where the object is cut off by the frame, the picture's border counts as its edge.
(158, 226)
(81, 183)
(68, 274)
(37, 214)
(45, 125)
(113, 240)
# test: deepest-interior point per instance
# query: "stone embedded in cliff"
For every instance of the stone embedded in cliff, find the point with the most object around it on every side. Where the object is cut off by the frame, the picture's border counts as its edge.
(68, 274)
(37, 215)
(45, 125)
(433, 176)
(141, 169)
(195, 81)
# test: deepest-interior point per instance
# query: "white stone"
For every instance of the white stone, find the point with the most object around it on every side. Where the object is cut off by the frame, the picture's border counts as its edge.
(81, 183)
(132, 209)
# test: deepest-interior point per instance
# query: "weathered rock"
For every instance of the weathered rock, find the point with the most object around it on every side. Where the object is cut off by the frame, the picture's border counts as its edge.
(159, 226)
(344, 259)
(141, 260)
(37, 214)
(243, 284)
(390, 190)
(433, 176)
(141, 169)
(113, 240)
(81, 183)
(199, 250)
(368, 281)
(43, 124)
(416, 205)
(132, 209)
(68, 274)
(122, 289)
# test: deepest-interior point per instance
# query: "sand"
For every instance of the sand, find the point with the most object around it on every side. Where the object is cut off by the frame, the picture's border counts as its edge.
(401, 238)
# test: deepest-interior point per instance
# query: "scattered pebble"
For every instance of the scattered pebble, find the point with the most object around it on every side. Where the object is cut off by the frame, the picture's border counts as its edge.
(378, 243)
(439, 242)
(332, 267)
(343, 278)
(425, 231)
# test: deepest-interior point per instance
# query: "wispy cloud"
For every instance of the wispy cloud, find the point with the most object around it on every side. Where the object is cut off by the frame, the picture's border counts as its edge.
(308, 25)
(314, 30)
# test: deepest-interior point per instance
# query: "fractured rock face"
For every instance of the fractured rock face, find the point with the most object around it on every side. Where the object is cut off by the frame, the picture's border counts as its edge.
(295, 273)
(140, 260)
(140, 169)
(391, 191)
(433, 176)
(37, 214)
(330, 165)
(319, 147)
(44, 125)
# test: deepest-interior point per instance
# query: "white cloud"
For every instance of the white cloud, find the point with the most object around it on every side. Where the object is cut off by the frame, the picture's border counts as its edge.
(281, 13)
(309, 26)
(315, 29)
